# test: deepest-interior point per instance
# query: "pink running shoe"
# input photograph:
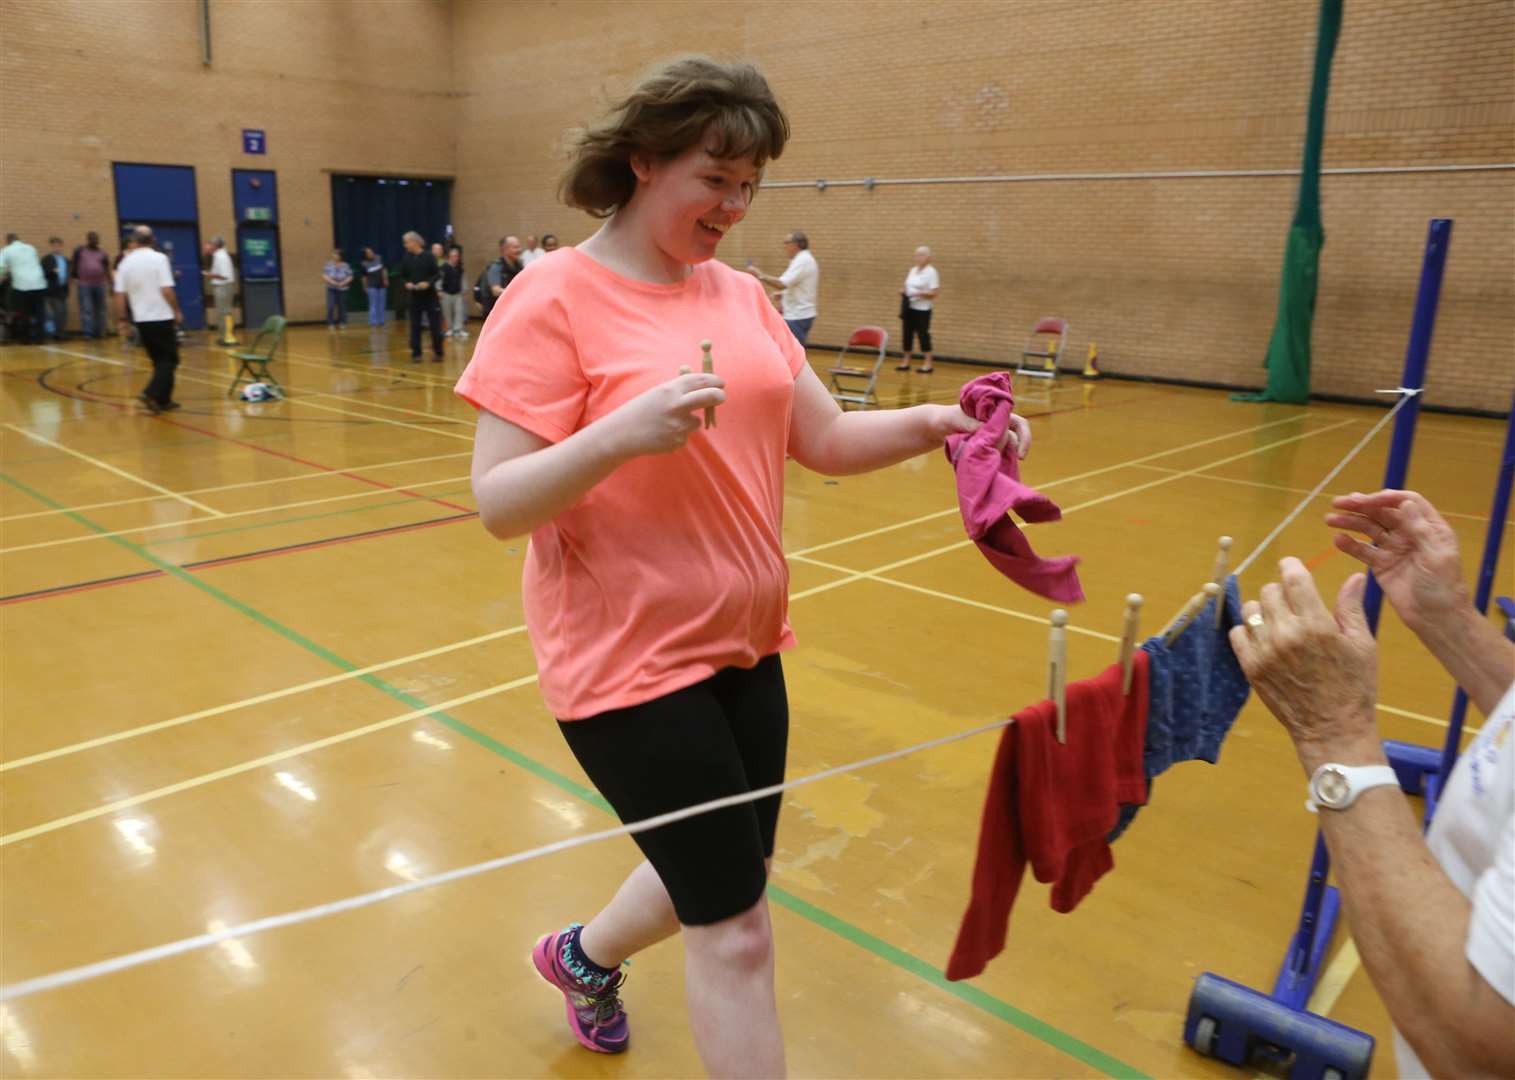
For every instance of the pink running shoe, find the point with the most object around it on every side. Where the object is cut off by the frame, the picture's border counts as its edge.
(594, 1011)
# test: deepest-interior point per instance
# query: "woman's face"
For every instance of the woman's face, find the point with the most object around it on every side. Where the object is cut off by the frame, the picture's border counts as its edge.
(922, 257)
(690, 202)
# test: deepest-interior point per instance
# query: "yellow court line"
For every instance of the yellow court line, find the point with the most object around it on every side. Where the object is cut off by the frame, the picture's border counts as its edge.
(323, 475)
(1322, 495)
(1060, 480)
(97, 463)
(272, 695)
(1334, 979)
(257, 763)
(228, 514)
(305, 401)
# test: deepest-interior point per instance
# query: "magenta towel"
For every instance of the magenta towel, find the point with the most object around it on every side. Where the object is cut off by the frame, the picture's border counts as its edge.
(989, 485)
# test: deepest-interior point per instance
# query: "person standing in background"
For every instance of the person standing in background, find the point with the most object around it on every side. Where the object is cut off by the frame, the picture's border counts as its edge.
(421, 274)
(338, 277)
(501, 272)
(375, 284)
(20, 267)
(549, 243)
(145, 280)
(454, 313)
(91, 269)
(222, 276)
(530, 252)
(797, 285)
(55, 267)
(922, 283)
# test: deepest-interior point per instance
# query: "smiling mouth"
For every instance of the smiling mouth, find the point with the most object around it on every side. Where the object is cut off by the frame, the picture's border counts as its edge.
(717, 227)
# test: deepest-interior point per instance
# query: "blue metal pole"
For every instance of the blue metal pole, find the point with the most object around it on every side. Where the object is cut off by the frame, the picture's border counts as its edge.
(1438, 239)
(1491, 545)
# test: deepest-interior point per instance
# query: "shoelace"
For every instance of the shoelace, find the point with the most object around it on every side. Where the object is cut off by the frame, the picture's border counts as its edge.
(607, 1001)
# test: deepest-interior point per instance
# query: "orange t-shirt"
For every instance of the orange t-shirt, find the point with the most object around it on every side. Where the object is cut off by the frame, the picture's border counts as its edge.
(672, 567)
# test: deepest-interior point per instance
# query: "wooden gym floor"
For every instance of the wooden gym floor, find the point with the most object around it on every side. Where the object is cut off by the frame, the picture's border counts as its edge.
(259, 657)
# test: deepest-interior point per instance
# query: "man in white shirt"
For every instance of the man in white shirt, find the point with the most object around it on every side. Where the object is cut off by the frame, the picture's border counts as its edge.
(797, 285)
(222, 276)
(145, 279)
(531, 252)
(1433, 916)
(20, 266)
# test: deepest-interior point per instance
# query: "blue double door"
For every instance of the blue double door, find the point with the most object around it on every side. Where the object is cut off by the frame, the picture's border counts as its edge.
(163, 198)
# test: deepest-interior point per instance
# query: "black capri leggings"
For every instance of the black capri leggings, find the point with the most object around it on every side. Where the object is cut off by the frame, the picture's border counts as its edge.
(723, 736)
(917, 322)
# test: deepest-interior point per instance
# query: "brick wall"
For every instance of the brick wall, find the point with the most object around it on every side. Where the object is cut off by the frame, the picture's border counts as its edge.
(1174, 278)
(337, 87)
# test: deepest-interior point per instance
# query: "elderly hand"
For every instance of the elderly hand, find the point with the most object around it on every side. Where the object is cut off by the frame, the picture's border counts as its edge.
(1317, 672)
(1413, 554)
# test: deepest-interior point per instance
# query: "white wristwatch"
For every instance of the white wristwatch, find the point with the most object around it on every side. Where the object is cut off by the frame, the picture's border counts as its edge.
(1336, 787)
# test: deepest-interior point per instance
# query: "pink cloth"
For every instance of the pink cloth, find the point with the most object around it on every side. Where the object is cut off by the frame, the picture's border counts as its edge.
(989, 485)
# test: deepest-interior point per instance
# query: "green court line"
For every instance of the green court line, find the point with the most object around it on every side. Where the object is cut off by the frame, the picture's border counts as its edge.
(410, 501)
(1003, 1010)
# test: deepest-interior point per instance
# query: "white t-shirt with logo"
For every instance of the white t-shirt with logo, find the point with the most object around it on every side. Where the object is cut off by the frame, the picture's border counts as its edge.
(802, 279)
(1473, 838)
(921, 280)
(142, 276)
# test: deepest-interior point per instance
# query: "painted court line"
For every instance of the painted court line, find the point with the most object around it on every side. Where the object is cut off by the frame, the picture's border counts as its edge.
(307, 403)
(258, 763)
(396, 408)
(1054, 483)
(1323, 495)
(235, 487)
(259, 699)
(97, 463)
(134, 530)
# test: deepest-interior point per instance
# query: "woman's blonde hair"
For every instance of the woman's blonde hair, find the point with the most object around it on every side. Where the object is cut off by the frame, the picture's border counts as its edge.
(671, 109)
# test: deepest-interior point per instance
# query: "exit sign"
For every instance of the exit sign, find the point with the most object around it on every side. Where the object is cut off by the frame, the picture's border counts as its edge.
(254, 141)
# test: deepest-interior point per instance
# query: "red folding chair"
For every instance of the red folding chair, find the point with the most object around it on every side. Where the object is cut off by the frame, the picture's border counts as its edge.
(858, 385)
(1044, 357)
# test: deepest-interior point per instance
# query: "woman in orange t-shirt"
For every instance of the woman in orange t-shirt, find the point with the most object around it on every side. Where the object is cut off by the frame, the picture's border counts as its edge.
(655, 586)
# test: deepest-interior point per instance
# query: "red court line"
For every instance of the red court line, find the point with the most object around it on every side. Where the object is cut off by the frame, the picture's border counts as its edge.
(226, 560)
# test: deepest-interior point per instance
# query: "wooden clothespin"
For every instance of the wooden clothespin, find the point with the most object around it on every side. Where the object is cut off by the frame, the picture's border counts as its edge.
(1057, 671)
(1222, 569)
(1172, 631)
(708, 366)
(1128, 640)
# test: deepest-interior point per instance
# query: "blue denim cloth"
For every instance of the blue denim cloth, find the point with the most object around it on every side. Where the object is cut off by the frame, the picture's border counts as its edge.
(375, 306)
(1196, 689)
(92, 309)
(336, 306)
(801, 327)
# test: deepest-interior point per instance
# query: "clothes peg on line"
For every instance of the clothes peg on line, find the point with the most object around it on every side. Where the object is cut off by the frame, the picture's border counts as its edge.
(1222, 569)
(708, 366)
(1057, 671)
(1180, 621)
(1128, 640)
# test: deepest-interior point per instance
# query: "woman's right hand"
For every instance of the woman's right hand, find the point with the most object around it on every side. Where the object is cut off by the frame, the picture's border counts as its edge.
(1413, 553)
(660, 420)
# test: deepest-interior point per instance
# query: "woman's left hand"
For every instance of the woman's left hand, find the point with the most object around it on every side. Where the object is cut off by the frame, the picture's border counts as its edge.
(1017, 433)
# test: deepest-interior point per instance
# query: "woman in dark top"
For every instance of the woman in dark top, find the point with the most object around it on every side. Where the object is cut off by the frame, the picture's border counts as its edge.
(376, 284)
(454, 310)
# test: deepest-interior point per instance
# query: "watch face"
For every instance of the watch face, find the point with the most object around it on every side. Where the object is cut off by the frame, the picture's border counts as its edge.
(1333, 787)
